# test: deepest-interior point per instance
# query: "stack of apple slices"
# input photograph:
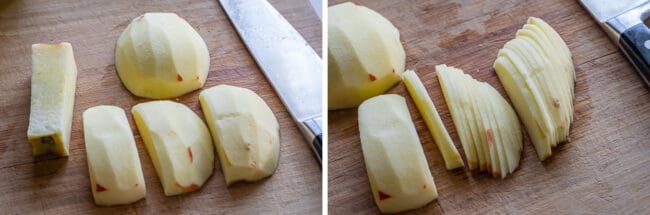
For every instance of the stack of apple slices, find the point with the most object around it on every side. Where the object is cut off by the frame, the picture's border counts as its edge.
(486, 124)
(536, 71)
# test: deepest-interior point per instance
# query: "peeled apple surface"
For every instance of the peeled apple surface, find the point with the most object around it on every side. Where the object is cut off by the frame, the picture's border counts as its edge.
(160, 56)
(365, 54)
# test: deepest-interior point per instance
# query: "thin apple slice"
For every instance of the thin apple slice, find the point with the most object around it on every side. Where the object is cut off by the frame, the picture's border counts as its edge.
(432, 119)
(246, 134)
(113, 163)
(178, 143)
(397, 168)
(459, 117)
(537, 72)
(492, 119)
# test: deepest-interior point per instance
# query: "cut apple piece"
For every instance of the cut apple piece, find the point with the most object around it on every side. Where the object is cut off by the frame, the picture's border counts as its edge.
(245, 132)
(537, 72)
(484, 120)
(178, 143)
(366, 56)
(397, 168)
(113, 163)
(160, 56)
(432, 119)
(54, 77)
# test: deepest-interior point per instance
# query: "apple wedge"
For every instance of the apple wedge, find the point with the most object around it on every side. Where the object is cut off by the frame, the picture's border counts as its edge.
(431, 117)
(54, 77)
(246, 134)
(365, 55)
(113, 163)
(537, 72)
(178, 143)
(486, 123)
(397, 168)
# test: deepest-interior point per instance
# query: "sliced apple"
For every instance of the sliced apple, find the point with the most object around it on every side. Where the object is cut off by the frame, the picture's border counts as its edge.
(245, 132)
(397, 168)
(484, 120)
(365, 54)
(178, 143)
(432, 119)
(537, 72)
(113, 163)
(160, 56)
(54, 78)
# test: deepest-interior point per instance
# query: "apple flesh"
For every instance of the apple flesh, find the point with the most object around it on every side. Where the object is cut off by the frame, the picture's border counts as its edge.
(54, 79)
(487, 125)
(160, 56)
(537, 72)
(431, 117)
(245, 131)
(365, 55)
(397, 169)
(113, 163)
(178, 143)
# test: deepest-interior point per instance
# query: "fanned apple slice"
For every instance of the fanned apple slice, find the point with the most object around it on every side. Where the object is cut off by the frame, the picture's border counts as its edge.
(178, 142)
(113, 163)
(246, 134)
(493, 122)
(537, 72)
(397, 168)
(432, 119)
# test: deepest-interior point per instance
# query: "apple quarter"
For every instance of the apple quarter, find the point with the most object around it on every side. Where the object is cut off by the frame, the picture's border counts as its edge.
(245, 132)
(113, 163)
(397, 169)
(178, 143)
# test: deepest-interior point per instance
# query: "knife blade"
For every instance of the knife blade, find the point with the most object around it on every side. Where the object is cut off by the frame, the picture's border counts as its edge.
(287, 61)
(623, 20)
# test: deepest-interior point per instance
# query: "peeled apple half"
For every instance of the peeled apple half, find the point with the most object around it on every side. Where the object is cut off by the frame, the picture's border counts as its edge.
(178, 143)
(398, 171)
(365, 55)
(486, 124)
(537, 72)
(245, 132)
(160, 56)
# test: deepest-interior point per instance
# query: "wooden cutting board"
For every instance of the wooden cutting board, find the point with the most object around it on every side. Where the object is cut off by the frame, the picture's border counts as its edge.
(603, 169)
(50, 185)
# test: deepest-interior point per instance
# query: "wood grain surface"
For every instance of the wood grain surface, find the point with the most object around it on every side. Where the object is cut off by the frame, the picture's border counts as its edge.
(603, 169)
(50, 185)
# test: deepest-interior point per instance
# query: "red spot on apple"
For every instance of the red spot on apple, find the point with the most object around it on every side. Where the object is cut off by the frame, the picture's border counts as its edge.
(99, 188)
(189, 151)
(356, 3)
(424, 186)
(136, 185)
(489, 137)
(372, 77)
(383, 196)
(179, 77)
(189, 188)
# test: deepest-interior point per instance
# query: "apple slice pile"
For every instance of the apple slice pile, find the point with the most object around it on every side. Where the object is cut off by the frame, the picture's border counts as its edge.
(488, 127)
(536, 71)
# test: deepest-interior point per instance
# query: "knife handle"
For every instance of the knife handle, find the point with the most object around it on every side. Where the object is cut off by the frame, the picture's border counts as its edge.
(635, 42)
(312, 130)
